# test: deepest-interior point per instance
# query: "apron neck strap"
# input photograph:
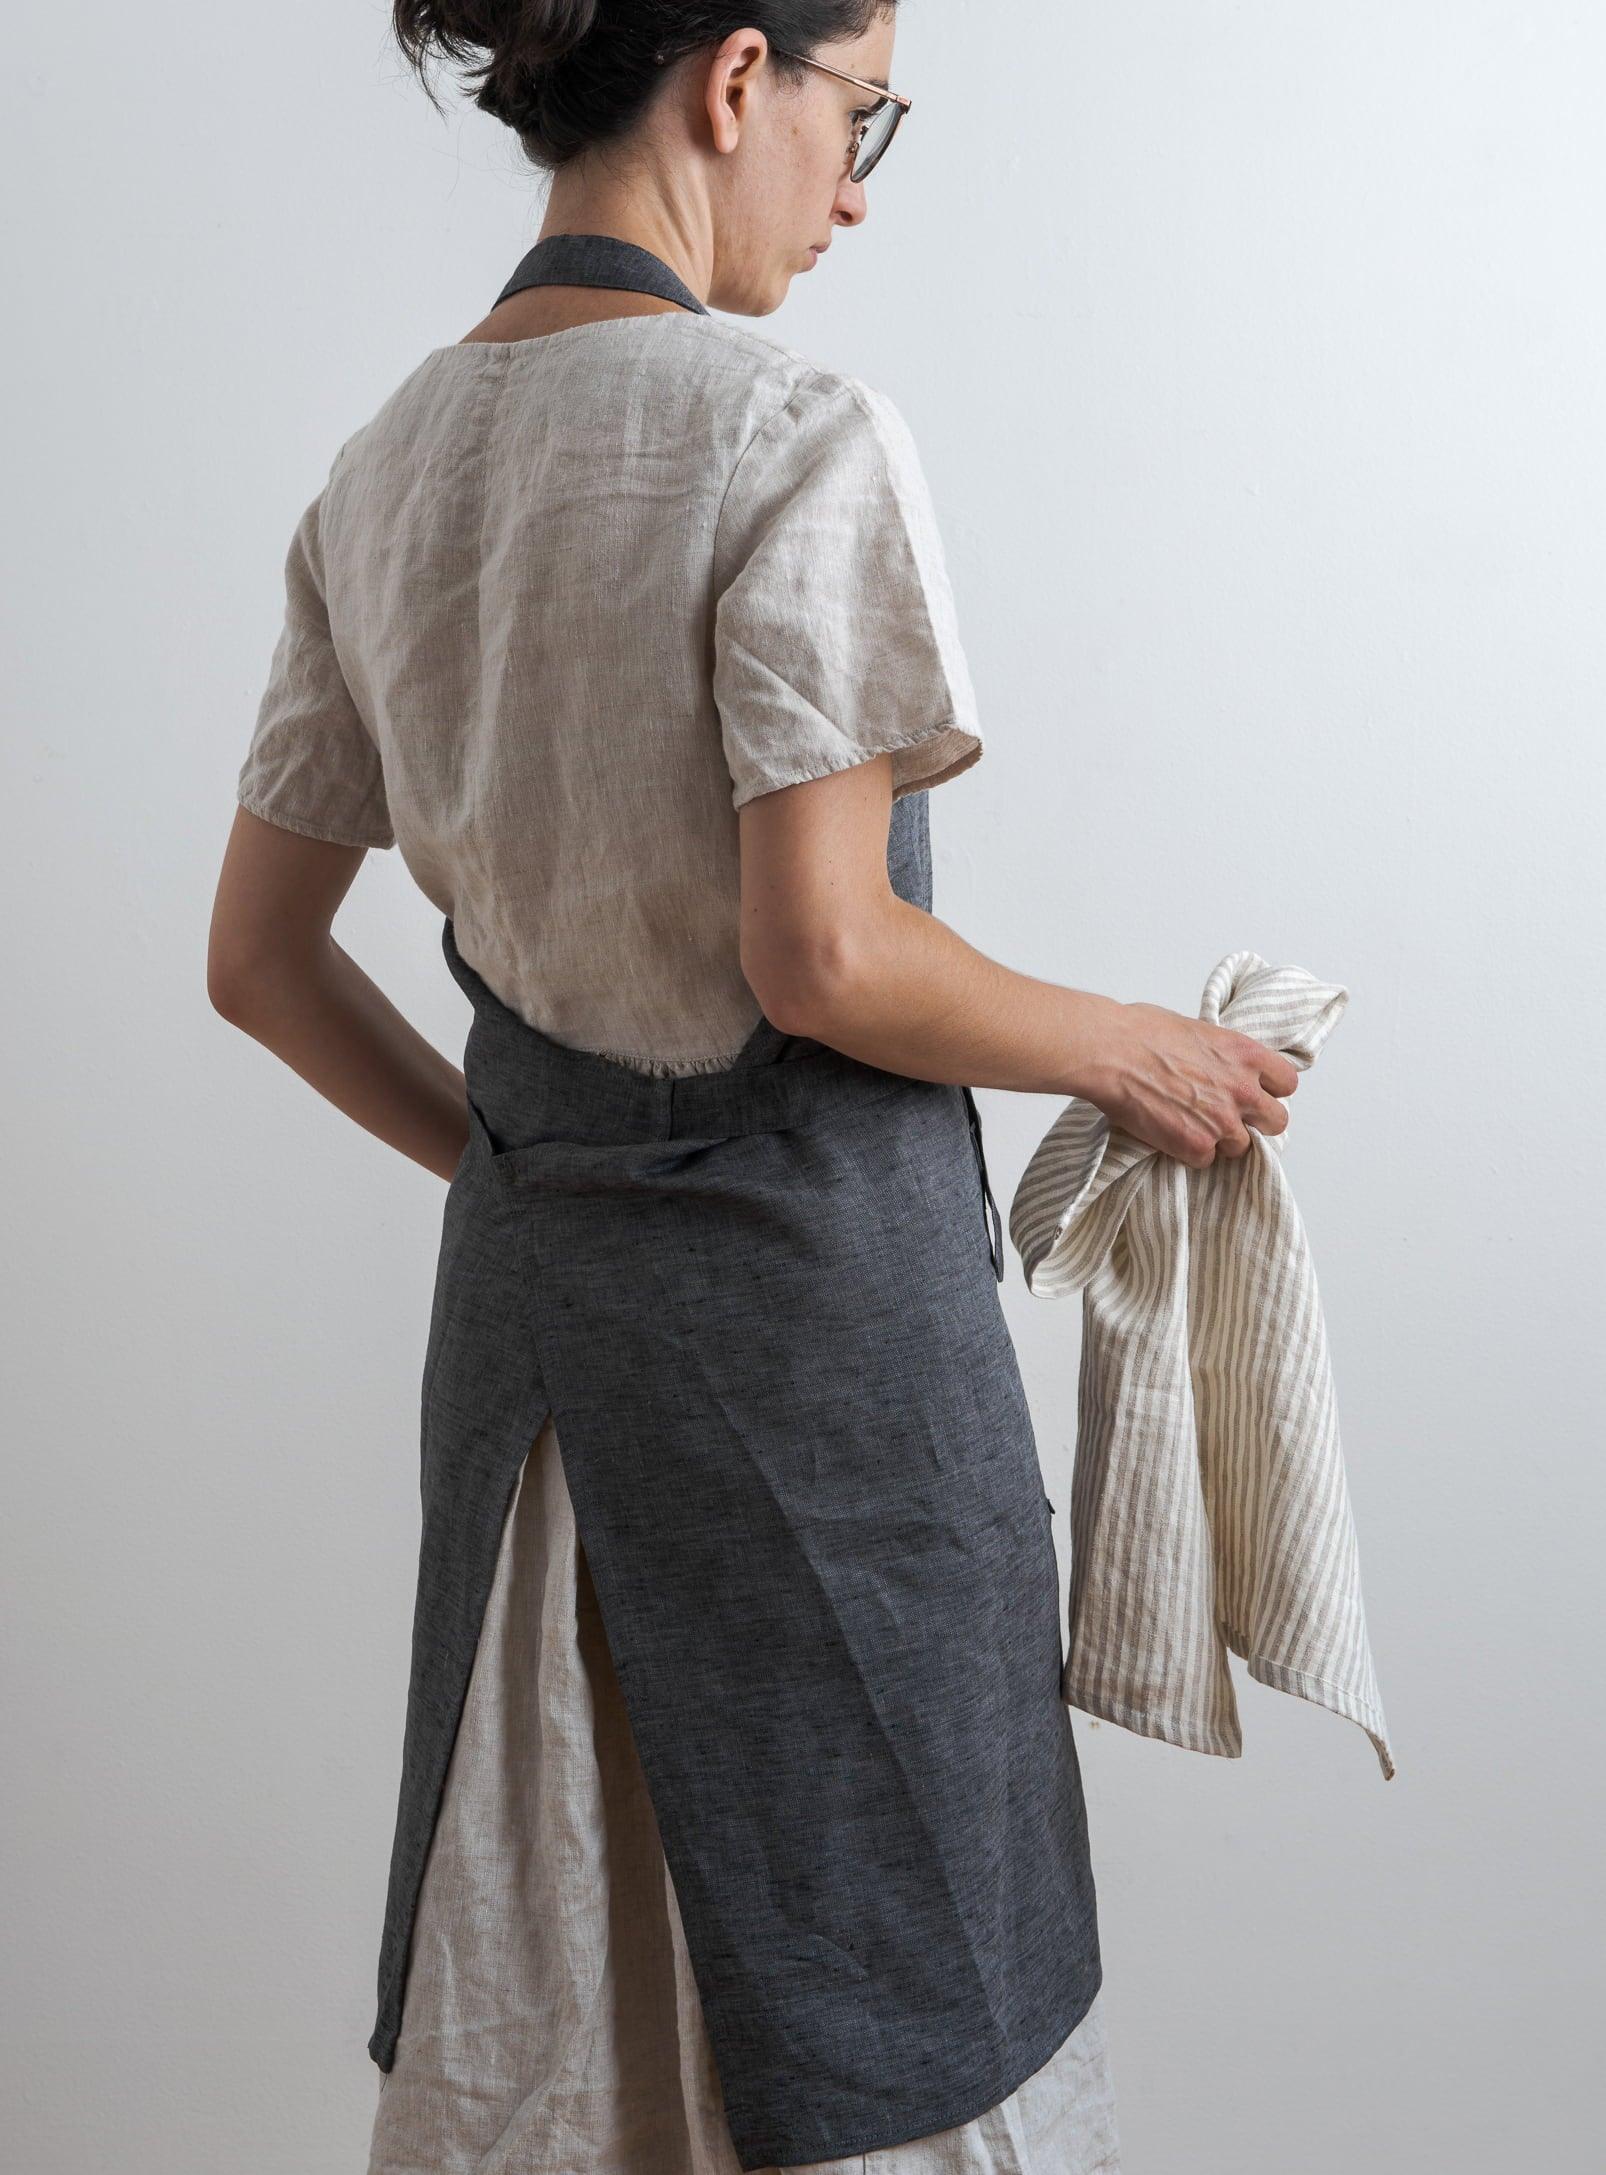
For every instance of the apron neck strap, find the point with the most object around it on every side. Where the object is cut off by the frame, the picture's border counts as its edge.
(599, 260)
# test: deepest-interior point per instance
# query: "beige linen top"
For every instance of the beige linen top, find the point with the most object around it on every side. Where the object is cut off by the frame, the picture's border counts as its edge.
(561, 607)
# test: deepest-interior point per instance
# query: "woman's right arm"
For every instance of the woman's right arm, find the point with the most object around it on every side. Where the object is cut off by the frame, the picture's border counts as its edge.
(831, 951)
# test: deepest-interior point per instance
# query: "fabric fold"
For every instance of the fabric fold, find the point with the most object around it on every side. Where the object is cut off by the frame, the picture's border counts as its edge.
(1209, 1505)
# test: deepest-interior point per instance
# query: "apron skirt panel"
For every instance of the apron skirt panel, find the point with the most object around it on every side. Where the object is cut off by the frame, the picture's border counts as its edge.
(482, 1405)
(762, 1306)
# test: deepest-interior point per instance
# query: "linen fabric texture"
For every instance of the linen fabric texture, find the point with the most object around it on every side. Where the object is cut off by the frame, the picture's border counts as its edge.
(562, 607)
(812, 1507)
(1210, 1510)
(552, 2017)
(511, 614)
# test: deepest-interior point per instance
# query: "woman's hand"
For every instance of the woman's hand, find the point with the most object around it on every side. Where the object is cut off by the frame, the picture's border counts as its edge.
(1186, 1087)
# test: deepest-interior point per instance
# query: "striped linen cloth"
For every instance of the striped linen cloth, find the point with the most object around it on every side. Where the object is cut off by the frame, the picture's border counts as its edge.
(1209, 1508)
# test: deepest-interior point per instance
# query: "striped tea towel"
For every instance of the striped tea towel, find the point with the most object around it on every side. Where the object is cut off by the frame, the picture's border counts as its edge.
(1208, 1503)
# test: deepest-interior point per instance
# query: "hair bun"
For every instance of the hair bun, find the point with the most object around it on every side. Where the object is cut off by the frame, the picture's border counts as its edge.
(566, 75)
(521, 37)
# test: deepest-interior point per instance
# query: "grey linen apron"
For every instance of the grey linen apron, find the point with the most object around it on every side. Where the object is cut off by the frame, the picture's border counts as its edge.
(762, 1306)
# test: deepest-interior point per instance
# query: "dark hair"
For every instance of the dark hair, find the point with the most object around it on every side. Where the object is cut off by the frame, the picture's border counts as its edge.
(565, 74)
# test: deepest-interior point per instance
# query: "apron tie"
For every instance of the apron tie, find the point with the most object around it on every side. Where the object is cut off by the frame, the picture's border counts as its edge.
(991, 1218)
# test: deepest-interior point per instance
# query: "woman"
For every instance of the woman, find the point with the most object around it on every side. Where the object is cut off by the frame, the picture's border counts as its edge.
(740, 1821)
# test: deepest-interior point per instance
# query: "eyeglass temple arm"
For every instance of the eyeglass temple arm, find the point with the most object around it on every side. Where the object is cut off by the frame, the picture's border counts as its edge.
(895, 98)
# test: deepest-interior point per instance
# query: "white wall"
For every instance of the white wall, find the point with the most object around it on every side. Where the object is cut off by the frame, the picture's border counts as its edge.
(1255, 354)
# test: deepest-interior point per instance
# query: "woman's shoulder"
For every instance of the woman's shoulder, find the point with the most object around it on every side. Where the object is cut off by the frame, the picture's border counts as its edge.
(790, 380)
(754, 411)
(828, 430)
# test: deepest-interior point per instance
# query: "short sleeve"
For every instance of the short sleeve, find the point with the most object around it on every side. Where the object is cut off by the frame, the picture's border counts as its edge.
(835, 637)
(312, 765)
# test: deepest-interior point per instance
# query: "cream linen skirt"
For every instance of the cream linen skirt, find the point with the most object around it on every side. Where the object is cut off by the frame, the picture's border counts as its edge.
(552, 2024)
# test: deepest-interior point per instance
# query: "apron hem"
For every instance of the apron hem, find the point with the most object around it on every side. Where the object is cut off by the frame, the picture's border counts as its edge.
(797, 2150)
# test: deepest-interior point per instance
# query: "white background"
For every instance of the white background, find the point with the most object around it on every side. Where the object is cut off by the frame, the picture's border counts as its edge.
(1254, 351)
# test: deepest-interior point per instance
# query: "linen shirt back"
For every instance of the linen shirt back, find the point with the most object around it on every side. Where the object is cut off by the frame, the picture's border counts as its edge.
(563, 605)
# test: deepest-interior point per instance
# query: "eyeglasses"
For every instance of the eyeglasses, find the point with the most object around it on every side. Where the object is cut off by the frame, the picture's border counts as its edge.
(874, 127)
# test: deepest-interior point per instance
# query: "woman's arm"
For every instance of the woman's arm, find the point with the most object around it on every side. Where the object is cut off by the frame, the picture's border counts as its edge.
(274, 970)
(831, 951)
